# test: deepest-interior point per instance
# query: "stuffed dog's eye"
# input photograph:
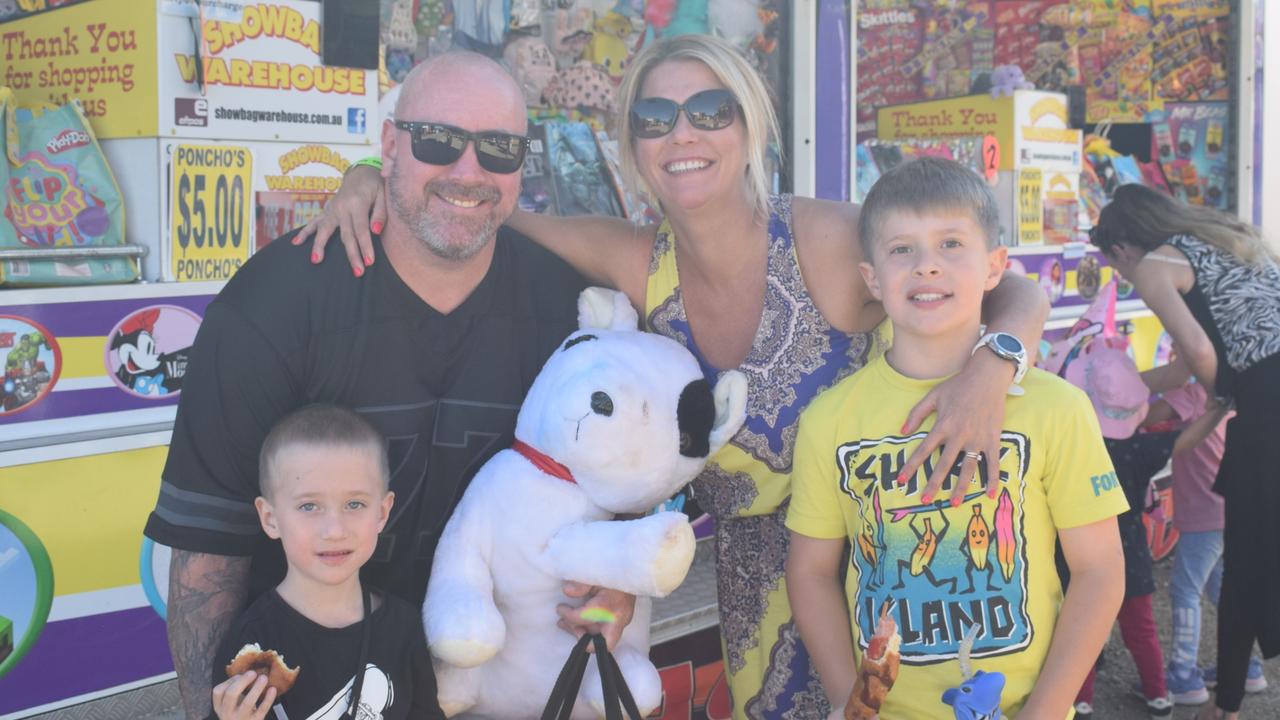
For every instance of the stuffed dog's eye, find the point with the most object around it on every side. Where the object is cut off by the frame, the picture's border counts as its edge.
(580, 339)
(601, 404)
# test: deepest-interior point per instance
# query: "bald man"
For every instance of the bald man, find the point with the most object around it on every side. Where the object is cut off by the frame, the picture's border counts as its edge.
(435, 346)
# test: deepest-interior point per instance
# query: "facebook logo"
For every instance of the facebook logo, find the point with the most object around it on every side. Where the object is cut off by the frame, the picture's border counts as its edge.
(355, 120)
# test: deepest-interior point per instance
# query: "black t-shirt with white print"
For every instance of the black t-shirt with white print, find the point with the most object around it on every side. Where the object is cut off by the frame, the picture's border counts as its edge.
(398, 679)
(444, 390)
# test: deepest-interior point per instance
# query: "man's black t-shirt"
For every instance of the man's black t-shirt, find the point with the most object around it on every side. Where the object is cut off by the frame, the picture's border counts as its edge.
(398, 679)
(443, 389)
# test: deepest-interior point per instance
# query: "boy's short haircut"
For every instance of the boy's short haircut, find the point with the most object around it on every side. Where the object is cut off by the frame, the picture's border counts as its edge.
(928, 184)
(321, 425)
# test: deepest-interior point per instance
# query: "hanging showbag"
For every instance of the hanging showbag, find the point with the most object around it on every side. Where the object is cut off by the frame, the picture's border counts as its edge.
(56, 191)
(617, 697)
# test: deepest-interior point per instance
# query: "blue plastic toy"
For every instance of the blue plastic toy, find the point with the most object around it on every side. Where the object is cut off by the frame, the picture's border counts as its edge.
(978, 697)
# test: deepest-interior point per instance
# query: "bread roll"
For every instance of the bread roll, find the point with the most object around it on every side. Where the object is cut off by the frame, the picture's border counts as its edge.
(264, 662)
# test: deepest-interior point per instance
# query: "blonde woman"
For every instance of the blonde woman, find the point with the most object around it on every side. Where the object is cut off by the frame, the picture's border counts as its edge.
(766, 284)
(1216, 288)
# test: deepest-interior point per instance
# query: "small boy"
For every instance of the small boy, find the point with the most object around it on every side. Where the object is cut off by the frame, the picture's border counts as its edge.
(951, 563)
(324, 482)
(1198, 516)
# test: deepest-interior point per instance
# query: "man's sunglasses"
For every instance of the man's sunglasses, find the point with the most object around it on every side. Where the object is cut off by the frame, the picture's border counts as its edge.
(707, 110)
(437, 144)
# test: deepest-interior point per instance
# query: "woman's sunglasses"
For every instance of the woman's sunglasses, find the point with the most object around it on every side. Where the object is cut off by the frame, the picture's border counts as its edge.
(436, 144)
(707, 110)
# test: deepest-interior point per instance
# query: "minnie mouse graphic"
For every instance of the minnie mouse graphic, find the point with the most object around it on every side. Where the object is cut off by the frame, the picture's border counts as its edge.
(143, 368)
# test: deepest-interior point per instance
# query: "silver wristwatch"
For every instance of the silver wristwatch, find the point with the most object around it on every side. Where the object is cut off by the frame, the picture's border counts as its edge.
(1007, 347)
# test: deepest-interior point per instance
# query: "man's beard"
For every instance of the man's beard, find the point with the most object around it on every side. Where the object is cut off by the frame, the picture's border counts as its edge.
(448, 238)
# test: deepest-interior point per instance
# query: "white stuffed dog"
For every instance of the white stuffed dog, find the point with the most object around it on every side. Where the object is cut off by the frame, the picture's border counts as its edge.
(617, 421)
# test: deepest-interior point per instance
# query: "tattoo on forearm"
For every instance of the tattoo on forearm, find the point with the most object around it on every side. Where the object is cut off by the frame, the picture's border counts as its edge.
(206, 592)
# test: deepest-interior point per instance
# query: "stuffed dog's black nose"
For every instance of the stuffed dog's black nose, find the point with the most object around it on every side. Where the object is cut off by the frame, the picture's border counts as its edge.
(601, 403)
(695, 414)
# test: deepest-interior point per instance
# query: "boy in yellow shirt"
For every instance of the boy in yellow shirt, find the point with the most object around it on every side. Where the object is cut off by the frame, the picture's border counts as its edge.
(957, 561)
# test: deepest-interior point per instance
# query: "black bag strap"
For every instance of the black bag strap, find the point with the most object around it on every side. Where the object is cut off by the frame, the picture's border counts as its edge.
(353, 708)
(615, 686)
(565, 691)
(560, 703)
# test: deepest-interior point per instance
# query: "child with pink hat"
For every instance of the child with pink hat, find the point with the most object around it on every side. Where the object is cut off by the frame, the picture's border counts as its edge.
(1111, 379)
(1106, 373)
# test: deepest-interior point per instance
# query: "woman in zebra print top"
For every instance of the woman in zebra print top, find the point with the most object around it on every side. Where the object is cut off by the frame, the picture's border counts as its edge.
(1215, 286)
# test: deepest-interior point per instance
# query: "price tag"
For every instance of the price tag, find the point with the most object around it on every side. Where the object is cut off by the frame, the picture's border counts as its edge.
(210, 211)
(1030, 206)
(991, 158)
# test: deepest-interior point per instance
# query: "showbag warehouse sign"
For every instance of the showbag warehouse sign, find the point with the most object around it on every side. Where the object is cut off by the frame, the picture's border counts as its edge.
(268, 21)
(224, 69)
(257, 75)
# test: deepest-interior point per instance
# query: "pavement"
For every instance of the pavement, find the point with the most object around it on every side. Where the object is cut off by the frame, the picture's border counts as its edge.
(1113, 696)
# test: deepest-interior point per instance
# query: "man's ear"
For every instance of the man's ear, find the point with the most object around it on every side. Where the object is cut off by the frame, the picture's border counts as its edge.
(387, 501)
(267, 516)
(869, 276)
(997, 259)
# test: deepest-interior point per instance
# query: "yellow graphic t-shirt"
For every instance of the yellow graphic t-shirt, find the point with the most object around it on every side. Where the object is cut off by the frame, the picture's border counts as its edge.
(987, 563)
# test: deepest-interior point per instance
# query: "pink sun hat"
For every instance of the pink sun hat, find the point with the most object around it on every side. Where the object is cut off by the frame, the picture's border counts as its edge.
(1099, 319)
(1111, 380)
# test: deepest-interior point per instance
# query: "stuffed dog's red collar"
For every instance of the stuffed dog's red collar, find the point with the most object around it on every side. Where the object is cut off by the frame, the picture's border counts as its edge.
(543, 462)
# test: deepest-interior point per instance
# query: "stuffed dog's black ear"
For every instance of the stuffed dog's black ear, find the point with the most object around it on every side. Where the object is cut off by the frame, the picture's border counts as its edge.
(695, 414)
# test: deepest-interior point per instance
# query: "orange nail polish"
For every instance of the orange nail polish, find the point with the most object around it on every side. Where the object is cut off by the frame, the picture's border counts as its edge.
(955, 501)
(902, 479)
(368, 259)
(376, 227)
(926, 499)
(358, 271)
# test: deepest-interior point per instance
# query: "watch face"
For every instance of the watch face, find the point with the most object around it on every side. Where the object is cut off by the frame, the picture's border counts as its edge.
(1008, 343)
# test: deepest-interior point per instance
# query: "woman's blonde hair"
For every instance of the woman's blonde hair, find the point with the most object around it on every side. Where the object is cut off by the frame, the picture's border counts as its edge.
(1145, 218)
(736, 74)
